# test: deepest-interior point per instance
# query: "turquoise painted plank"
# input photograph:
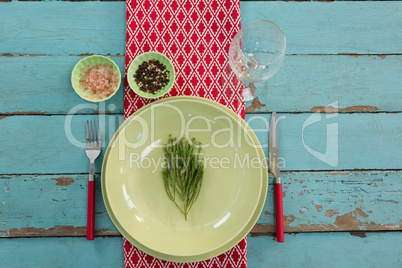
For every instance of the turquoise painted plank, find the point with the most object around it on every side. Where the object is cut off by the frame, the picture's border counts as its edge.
(57, 206)
(336, 201)
(53, 144)
(42, 84)
(319, 141)
(62, 28)
(306, 83)
(332, 250)
(62, 252)
(332, 27)
(65, 28)
(41, 144)
(313, 202)
(300, 250)
(303, 83)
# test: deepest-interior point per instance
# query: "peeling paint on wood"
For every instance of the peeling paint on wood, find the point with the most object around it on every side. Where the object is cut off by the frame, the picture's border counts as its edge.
(24, 113)
(57, 231)
(346, 201)
(360, 212)
(329, 213)
(331, 109)
(63, 181)
(351, 54)
(107, 55)
(21, 55)
(255, 105)
(329, 206)
(337, 173)
(358, 234)
(347, 222)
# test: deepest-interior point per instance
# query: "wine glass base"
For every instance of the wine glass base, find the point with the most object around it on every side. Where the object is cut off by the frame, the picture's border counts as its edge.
(248, 92)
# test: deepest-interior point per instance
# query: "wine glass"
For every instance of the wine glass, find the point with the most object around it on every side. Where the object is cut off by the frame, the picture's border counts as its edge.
(256, 53)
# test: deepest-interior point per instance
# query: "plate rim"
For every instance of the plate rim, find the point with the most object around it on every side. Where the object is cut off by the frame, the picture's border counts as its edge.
(240, 235)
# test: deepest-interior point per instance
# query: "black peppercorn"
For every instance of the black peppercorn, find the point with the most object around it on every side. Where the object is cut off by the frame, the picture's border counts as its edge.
(152, 76)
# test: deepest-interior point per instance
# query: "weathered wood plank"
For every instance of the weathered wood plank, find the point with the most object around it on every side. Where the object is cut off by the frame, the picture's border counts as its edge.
(313, 202)
(50, 144)
(300, 250)
(362, 141)
(330, 250)
(332, 27)
(354, 83)
(63, 28)
(336, 201)
(66, 28)
(334, 141)
(42, 85)
(57, 206)
(305, 83)
(62, 252)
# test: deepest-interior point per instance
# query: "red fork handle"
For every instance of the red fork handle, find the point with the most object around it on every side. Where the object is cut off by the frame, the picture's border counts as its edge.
(91, 211)
(279, 212)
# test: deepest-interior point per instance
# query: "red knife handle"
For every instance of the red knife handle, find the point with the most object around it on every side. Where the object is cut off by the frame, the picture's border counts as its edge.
(279, 213)
(91, 211)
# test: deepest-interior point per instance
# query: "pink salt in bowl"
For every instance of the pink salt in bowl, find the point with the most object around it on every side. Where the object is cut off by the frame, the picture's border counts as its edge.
(96, 78)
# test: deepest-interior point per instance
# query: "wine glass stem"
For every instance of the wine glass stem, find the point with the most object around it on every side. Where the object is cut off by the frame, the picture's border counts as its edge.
(249, 91)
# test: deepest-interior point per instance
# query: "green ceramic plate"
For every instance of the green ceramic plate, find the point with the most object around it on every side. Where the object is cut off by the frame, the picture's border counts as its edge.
(233, 192)
(76, 76)
(146, 57)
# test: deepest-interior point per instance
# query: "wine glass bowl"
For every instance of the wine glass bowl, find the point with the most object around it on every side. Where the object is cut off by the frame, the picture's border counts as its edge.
(257, 51)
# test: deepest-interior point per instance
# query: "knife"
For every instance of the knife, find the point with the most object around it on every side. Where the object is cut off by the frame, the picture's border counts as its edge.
(275, 170)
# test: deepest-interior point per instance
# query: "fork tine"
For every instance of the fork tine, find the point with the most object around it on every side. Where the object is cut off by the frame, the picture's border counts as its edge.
(95, 138)
(92, 133)
(99, 136)
(87, 138)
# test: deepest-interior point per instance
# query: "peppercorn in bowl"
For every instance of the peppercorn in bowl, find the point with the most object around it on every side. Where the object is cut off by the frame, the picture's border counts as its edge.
(96, 78)
(151, 75)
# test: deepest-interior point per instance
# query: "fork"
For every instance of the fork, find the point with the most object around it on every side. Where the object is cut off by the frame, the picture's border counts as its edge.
(93, 149)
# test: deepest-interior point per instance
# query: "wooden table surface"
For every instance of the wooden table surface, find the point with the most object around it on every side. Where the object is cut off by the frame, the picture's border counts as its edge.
(343, 171)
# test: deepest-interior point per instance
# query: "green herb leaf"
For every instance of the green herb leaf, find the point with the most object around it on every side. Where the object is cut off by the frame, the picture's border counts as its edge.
(182, 176)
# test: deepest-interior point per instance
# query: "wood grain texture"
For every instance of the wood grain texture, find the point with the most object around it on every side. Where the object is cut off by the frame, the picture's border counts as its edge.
(300, 250)
(307, 141)
(334, 141)
(336, 201)
(334, 27)
(61, 252)
(57, 206)
(332, 250)
(63, 28)
(42, 84)
(353, 83)
(313, 202)
(41, 41)
(304, 83)
(71, 28)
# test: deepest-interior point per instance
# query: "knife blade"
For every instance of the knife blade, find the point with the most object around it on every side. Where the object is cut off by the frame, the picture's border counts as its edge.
(274, 168)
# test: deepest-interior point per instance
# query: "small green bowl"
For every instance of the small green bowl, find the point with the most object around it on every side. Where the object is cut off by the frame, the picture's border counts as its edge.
(152, 55)
(76, 75)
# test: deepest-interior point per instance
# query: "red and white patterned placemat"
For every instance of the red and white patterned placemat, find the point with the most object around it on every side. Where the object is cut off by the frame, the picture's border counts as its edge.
(236, 257)
(195, 35)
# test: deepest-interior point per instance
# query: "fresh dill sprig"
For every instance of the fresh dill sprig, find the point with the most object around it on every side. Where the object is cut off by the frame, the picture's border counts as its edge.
(183, 172)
